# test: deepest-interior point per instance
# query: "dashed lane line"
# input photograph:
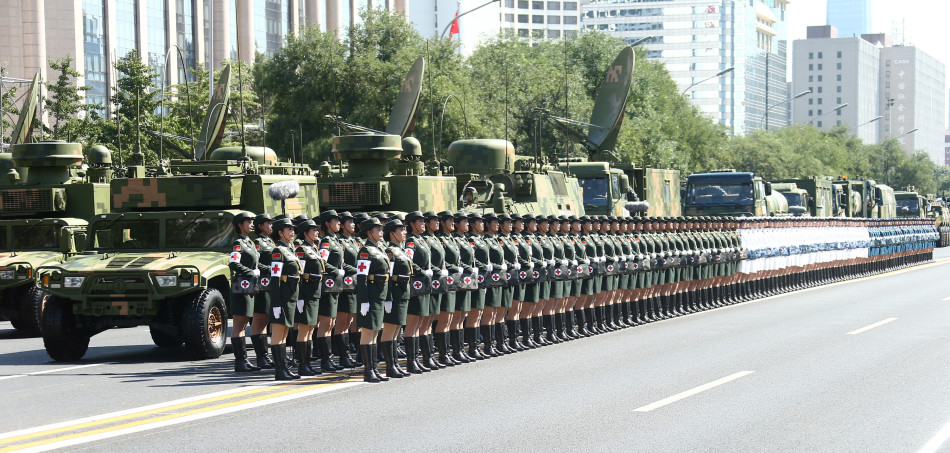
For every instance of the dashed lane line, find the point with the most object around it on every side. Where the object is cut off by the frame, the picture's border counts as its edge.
(692, 391)
(57, 370)
(867, 328)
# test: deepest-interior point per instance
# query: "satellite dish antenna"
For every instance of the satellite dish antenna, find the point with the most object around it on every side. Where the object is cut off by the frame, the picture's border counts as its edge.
(607, 115)
(212, 128)
(404, 111)
(24, 124)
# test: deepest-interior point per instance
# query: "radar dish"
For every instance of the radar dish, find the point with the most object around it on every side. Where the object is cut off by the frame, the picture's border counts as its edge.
(24, 124)
(212, 128)
(607, 114)
(407, 101)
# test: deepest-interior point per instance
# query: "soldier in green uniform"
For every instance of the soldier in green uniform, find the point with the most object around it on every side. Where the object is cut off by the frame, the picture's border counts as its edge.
(244, 277)
(437, 258)
(510, 251)
(557, 283)
(451, 263)
(350, 244)
(284, 289)
(331, 253)
(396, 307)
(308, 304)
(580, 256)
(417, 249)
(463, 298)
(483, 264)
(524, 273)
(494, 296)
(372, 292)
(265, 246)
(530, 251)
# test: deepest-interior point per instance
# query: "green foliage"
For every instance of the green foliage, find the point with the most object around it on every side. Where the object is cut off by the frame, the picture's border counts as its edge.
(9, 107)
(64, 102)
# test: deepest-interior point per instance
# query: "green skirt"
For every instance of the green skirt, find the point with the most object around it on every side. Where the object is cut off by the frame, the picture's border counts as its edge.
(373, 319)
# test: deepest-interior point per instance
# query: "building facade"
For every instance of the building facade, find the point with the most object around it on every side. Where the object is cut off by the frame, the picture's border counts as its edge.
(697, 40)
(96, 33)
(913, 89)
(852, 18)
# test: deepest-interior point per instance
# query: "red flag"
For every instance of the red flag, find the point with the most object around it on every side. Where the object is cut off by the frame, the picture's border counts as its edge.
(455, 25)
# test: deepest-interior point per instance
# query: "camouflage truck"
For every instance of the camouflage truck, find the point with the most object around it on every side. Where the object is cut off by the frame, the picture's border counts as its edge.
(610, 188)
(46, 199)
(160, 257)
(732, 193)
(910, 203)
(814, 194)
(937, 209)
(864, 198)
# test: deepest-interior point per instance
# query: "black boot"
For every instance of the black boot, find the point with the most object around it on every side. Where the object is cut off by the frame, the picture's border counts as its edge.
(241, 364)
(569, 325)
(260, 350)
(511, 326)
(412, 356)
(525, 330)
(550, 334)
(487, 338)
(369, 360)
(387, 348)
(559, 328)
(281, 373)
(443, 349)
(471, 337)
(325, 363)
(378, 353)
(538, 329)
(343, 352)
(458, 353)
(581, 318)
(292, 349)
(399, 369)
(425, 346)
(303, 359)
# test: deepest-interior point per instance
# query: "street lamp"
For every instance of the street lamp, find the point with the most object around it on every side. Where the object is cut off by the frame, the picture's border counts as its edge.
(718, 74)
(828, 112)
(884, 148)
(466, 12)
(869, 121)
(787, 101)
(641, 41)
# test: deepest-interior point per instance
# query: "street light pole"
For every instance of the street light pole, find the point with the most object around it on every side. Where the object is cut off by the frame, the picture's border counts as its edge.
(788, 101)
(641, 41)
(839, 107)
(718, 74)
(868, 122)
(466, 12)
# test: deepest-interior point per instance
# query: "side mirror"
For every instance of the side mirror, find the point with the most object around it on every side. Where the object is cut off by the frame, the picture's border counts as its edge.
(624, 184)
(66, 243)
(768, 189)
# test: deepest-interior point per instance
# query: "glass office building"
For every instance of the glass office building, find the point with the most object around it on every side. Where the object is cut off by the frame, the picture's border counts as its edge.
(852, 18)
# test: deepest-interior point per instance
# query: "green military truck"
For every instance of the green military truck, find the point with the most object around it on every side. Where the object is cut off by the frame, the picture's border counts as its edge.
(910, 203)
(732, 193)
(615, 189)
(864, 198)
(807, 196)
(937, 209)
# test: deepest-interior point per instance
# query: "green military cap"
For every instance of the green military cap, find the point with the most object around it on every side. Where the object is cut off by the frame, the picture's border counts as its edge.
(392, 225)
(504, 218)
(280, 224)
(446, 215)
(516, 217)
(369, 224)
(397, 216)
(429, 214)
(327, 216)
(490, 217)
(413, 216)
(562, 218)
(473, 216)
(280, 216)
(345, 215)
(528, 218)
(461, 216)
(242, 217)
(381, 216)
(584, 218)
(305, 226)
(301, 218)
(573, 218)
(262, 218)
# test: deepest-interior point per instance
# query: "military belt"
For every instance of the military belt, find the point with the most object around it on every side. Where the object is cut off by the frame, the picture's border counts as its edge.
(312, 277)
(377, 277)
(284, 278)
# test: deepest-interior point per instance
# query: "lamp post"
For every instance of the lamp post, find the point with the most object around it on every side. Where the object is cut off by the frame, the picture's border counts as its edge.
(868, 121)
(718, 74)
(884, 150)
(788, 101)
(466, 12)
(641, 41)
(839, 107)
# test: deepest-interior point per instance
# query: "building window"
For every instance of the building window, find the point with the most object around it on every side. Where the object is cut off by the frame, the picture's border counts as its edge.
(554, 34)
(819, 112)
(811, 55)
(819, 66)
(839, 89)
(839, 111)
(839, 121)
(839, 54)
(509, 17)
(570, 20)
(554, 6)
(94, 45)
(839, 66)
(819, 89)
(523, 4)
(810, 113)
(509, 3)
(887, 84)
(554, 20)
(887, 73)
(811, 67)
(570, 6)
(537, 19)
(819, 124)
(887, 62)
(839, 77)
(811, 79)
(570, 33)
(127, 27)
(537, 34)
(819, 55)
(819, 78)
(522, 18)
(537, 5)
(819, 101)
(811, 101)
(523, 32)
(839, 101)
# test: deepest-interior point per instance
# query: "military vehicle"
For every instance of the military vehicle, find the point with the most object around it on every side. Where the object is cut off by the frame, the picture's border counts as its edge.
(46, 199)
(734, 193)
(937, 209)
(867, 198)
(384, 171)
(160, 258)
(910, 203)
(815, 194)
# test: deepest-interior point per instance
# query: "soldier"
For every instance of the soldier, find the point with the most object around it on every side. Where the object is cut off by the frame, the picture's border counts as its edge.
(556, 294)
(590, 286)
(350, 244)
(510, 253)
(463, 298)
(494, 296)
(483, 256)
(331, 253)
(284, 288)
(522, 265)
(244, 276)
(437, 257)
(451, 263)
(396, 308)
(531, 252)
(265, 246)
(308, 305)
(417, 249)
(372, 292)
(577, 315)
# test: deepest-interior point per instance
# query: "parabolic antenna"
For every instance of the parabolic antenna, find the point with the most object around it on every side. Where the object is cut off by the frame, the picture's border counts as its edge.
(407, 101)
(212, 128)
(24, 124)
(607, 115)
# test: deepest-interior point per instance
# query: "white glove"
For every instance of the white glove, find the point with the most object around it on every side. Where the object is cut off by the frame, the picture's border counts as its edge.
(364, 308)
(300, 304)
(531, 265)
(574, 263)
(551, 262)
(444, 272)
(490, 267)
(388, 306)
(517, 266)
(586, 260)
(503, 267)
(340, 272)
(563, 262)
(544, 264)
(256, 272)
(428, 272)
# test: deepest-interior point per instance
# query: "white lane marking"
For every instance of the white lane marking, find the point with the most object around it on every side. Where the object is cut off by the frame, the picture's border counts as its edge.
(693, 391)
(188, 418)
(937, 441)
(57, 370)
(867, 328)
(946, 298)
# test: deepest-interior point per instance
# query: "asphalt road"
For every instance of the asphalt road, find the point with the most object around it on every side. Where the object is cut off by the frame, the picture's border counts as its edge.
(854, 366)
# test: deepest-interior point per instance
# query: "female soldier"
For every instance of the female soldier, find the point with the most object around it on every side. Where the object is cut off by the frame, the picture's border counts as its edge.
(308, 306)
(522, 263)
(557, 286)
(372, 290)
(284, 288)
(485, 267)
(435, 301)
(331, 252)
(531, 252)
(544, 288)
(451, 261)
(395, 308)
(265, 246)
(350, 245)
(417, 249)
(564, 308)
(244, 275)
(510, 251)
(463, 298)
(494, 296)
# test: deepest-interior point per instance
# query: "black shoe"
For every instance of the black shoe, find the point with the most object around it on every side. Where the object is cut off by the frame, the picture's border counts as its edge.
(241, 364)
(325, 363)
(260, 350)
(396, 366)
(369, 359)
(458, 353)
(281, 373)
(443, 349)
(471, 337)
(303, 356)
(387, 348)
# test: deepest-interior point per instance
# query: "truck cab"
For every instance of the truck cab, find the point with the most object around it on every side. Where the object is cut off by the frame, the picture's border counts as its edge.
(730, 192)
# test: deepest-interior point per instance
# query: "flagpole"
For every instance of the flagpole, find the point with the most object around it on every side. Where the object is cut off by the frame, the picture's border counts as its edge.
(466, 12)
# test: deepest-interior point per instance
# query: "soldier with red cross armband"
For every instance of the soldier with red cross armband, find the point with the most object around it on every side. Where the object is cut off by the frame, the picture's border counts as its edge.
(372, 291)
(284, 288)
(308, 304)
(244, 276)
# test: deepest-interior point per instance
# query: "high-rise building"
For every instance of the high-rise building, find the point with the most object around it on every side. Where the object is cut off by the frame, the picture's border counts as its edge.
(852, 18)
(946, 148)
(837, 71)
(96, 33)
(913, 89)
(700, 39)
(535, 20)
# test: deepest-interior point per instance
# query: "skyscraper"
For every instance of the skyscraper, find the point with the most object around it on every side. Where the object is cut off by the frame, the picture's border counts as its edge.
(852, 18)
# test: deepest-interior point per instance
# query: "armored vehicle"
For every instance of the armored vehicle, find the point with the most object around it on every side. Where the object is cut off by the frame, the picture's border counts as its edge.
(729, 192)
(384, 171)
(910, 203)
(160, 258)
(46, 199)
(814, 194)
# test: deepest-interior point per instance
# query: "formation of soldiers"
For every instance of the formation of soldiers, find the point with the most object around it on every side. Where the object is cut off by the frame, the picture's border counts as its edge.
(444, 289)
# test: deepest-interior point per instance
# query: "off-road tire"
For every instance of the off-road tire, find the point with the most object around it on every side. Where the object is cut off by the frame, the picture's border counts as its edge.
(31, 300)
(204, 324)
(64, 341)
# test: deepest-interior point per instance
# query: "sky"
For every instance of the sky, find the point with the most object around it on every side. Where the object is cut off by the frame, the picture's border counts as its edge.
(925, 23)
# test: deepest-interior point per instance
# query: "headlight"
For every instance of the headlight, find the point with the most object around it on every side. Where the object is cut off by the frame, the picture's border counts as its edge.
(6, 275)
(73, 282)
(166, 281)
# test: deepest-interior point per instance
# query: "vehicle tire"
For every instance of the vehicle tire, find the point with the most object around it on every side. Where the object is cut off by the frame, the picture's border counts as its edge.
(63, 339)
(205, 324)
(165, 340)
(32, 300)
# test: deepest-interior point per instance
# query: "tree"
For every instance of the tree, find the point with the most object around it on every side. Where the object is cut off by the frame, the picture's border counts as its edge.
(64, 103)
(137, 99)
(8, 106)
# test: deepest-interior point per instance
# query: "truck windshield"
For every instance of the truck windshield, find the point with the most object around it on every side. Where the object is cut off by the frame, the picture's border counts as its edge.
(595, 191)
(908, 207)
(35, 237)
(712, 194)
(199, 233)
(123, 234)
(794, 199)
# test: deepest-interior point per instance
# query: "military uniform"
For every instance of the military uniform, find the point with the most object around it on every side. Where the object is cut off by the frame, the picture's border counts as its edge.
(284, 284)
(398, 303)
(372, 285)
(244, 276)
(308, 305)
